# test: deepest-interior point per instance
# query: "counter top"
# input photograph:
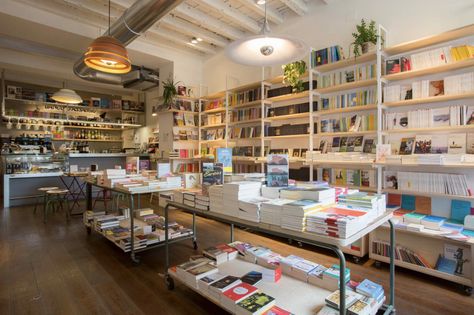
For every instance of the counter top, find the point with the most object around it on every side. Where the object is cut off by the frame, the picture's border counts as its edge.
(85, 155)
(33, 175)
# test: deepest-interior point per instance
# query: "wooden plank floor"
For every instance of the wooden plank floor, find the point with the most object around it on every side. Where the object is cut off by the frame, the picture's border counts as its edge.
(57, 269)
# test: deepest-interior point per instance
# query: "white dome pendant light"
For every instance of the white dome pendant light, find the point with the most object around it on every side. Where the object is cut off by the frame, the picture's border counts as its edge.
(66, 96)
(266, 50)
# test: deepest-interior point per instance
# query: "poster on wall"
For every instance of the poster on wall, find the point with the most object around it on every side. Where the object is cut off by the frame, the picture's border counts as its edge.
(277, 170)
(224, 156)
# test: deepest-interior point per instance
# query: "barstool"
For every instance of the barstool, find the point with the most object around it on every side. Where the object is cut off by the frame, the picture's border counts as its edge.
(43, 190)
(54, 198)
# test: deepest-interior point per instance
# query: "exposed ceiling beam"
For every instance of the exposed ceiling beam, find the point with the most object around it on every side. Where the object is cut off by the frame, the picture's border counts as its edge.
(297, 6)
(272, 15)
(124, 3)
(181, 39)
(231, 13)
(96, 7)
(193, 30)
(209, 22)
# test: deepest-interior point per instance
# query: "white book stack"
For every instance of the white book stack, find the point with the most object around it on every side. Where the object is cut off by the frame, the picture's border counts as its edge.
(391, 93)
(337, 224)
(301, 269)
(431, 58)
(326, 195)
(288, 262)
(451, 184)
(235, 191)
(216, 198)
(189, 198)
(178, 196)
(430, 159)
(271, 192)
(459, 84)
(202, 202)
(270, 211)
(293, 214)
(249, 208)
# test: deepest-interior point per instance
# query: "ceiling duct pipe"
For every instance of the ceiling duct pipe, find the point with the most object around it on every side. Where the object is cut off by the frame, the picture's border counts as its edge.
(134, 21)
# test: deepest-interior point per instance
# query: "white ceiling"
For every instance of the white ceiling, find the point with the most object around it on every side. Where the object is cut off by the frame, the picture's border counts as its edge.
(216, 22)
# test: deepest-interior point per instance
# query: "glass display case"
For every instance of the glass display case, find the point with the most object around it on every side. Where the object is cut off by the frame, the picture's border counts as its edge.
(33, 163)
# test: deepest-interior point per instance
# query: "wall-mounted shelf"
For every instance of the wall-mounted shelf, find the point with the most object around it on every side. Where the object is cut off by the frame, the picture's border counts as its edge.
(346, 110)
(427, 100)
(427, 71)
(286, 137)
(213, 126)
(353, 61)
(246, 122)
(426, 194)
(214, 110)
(430, 129)
(346, 133)
(288, 97)
(285, 117)
(256, 103)
(346, 86)
(85, 140)
(71, 121)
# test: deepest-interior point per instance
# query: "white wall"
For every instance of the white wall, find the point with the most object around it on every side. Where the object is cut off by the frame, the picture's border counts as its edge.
(327, 25)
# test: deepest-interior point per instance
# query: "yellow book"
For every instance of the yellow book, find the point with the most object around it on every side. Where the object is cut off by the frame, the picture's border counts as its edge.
(454, 54)
(371, 122)
(471, 51)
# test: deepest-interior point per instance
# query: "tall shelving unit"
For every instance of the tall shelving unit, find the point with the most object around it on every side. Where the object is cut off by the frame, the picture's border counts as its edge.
(428, 245)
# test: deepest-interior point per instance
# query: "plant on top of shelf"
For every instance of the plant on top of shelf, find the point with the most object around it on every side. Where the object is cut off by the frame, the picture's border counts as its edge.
(365, 36)
(292, 73)
(169, 92)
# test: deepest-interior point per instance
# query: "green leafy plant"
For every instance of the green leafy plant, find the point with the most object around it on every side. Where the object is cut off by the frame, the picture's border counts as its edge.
(366, 33)
(169, 91)
(292, 73)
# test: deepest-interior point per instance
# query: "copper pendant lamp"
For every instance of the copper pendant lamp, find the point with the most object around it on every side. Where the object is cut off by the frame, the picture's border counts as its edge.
(106, 54)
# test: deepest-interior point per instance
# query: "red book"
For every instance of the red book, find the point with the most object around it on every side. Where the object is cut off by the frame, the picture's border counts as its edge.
(231, 252)
(277, 311)
(240, 292)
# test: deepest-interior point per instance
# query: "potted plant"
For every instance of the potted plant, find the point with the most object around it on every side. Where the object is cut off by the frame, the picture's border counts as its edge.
(365, 38)
(292, 73)
(169, 92)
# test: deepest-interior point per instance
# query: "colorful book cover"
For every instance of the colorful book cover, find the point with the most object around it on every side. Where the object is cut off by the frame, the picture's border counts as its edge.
(369, 146)
(257, 302)
(340, 177)
(406, 146)
(224, 156)
(212, 174)
(240, 292)
(225, 282)
(252, 277)
(369, 288)
(446, 265)
(277, 170)
(277, 311)
(422, 144)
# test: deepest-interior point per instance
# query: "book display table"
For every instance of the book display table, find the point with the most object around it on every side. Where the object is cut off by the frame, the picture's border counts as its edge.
(132, 203)
(332, 243)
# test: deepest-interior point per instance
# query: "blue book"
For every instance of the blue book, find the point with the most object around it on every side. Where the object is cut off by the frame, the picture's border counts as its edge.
(369, 288)
(469, 233)
(446, 265)
(446, 226)
(460, 209)
(433, 222)
(408, 202)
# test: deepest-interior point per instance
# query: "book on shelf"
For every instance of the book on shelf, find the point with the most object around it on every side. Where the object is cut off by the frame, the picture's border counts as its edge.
(462, 52)
(213, 104)
(224, 156)
(352, 123)
(382, 248)
(290, 109)
(358, 73)
(326, 55)
(242, 115)
(246, 96)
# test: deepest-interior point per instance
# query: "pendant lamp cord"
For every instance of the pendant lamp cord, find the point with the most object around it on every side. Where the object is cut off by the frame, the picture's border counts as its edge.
(109, 17)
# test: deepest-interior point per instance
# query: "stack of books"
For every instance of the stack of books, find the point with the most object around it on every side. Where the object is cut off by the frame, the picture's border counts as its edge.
(126, 246)
(107, 221)
(249, 208)
(293, 214)
(202, 202)
(371, 290)
(270, 211)
(337, 222)
(189, 198)
(325, 195)
(89, 215)
(220, 253)
(331, 278)
(333, 301)
(271, 192)
(375, 204)
(235, 191)
(216, 194)
(183, 270)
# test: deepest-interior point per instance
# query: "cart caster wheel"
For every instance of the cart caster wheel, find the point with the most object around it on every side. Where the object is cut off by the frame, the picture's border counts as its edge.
(378, 264)
(467, 290)
(136, 261)
(89, 230)
(300, 244)
(356, 259)
(169, 282)
(195, 245)
(290, 241)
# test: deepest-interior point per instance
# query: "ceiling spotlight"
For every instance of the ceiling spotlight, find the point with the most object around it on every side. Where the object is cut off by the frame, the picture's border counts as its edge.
(153, 111)
(261, 2)
(199, 39)
(194, 40)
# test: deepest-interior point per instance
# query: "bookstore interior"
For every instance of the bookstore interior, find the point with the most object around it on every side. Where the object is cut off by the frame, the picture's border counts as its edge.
(244, 157)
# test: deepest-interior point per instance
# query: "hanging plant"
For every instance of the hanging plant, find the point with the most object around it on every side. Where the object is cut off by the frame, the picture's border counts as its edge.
(366, 34)
(169, 91)
(292, 73)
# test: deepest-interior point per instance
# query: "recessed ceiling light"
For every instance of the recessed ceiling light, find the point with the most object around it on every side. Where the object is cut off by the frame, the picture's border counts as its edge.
(199, 39)
(260, 2)
(194, 40)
